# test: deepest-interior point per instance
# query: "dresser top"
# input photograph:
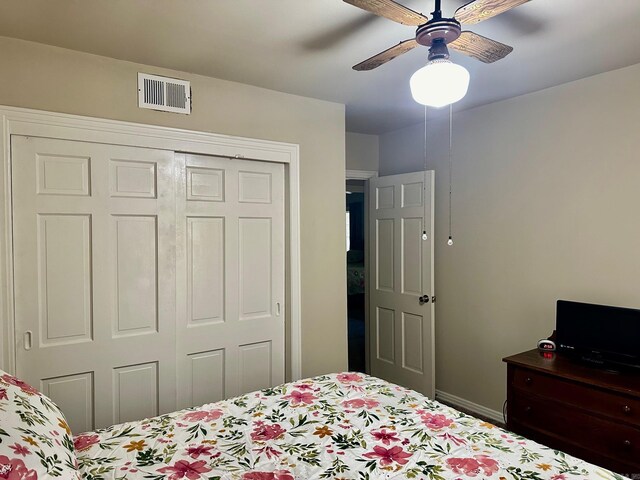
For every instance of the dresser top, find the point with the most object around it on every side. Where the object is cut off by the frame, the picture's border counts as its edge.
(627, 382)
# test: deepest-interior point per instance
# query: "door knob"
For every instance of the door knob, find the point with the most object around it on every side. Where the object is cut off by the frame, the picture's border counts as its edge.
(423, 299)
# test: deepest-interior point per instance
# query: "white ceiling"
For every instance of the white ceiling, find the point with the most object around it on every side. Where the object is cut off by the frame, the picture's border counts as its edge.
(307, 47)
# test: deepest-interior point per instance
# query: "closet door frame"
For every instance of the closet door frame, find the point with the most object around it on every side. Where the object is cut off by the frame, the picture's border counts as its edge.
(36, 123)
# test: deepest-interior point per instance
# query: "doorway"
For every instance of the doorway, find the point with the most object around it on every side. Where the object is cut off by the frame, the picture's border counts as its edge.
(356, 273)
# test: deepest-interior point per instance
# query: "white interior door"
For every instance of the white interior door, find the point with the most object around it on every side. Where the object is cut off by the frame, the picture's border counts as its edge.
(230, 277)
(401, 280)
(94, 263)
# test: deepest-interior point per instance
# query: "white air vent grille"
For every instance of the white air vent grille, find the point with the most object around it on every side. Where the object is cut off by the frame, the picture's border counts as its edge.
(163, 93)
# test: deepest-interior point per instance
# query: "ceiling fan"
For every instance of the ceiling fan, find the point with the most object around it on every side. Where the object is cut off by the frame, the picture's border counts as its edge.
(440, 32)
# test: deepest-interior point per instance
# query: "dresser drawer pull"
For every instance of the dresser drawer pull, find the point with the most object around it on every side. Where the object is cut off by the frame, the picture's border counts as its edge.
(627, 444)
(627, 410)
(528, 381)
(527, 409)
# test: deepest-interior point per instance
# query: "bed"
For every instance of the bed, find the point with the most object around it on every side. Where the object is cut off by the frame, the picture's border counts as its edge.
(339, 426)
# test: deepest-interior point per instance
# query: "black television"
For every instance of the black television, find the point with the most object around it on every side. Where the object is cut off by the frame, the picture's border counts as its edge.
(599, 334)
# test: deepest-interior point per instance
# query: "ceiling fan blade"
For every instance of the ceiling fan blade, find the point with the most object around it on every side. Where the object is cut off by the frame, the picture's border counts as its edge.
(386, 56)
(391, 10)
(482, 48)
(479, 10)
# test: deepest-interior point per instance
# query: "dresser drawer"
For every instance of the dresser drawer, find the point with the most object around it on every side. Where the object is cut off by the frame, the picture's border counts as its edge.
(609, 438)
(613, 405)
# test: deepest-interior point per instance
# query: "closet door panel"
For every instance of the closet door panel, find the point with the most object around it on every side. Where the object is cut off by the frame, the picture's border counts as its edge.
(230, 277)
(94, 261)
(205, 287)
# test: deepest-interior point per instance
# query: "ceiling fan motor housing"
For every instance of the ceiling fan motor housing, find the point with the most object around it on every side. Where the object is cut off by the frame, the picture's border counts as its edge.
(438, 31)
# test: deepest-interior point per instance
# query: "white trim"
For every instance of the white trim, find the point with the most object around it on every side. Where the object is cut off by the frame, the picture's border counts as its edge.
(294, 278)
(35, 123)
(360, 174)
(367, 283)
(455, 401)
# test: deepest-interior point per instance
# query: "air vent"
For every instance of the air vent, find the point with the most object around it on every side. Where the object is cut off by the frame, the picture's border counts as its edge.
(164, 94)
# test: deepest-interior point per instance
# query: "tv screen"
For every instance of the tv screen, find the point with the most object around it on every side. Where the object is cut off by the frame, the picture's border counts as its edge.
(599, 333)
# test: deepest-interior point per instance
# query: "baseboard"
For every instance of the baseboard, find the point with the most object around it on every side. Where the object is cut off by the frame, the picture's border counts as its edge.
(455, 401)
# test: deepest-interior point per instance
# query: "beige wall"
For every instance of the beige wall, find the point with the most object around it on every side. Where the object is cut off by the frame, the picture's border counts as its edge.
(59, 80)
(546, 205)
(363, 151)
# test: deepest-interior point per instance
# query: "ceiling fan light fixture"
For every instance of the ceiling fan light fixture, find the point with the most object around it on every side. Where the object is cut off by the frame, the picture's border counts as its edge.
(439, 83)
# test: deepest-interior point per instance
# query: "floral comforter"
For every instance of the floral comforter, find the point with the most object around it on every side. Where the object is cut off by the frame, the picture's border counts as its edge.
(342, 426)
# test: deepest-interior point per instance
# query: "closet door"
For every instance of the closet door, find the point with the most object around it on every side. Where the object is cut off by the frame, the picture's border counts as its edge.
(94, 260)
(230, 277)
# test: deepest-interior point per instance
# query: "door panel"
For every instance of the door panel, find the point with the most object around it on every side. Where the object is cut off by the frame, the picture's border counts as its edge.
(231, 215)
(135, 392)
(255, 267)
(402, 337)
(205, 265)
(412, 357)
(411, 194)
(384, 197)
(136, 279)
(256, 371)
(384, 254)
(385, 332)
(63, 175)
(205, 184)
(254, 187)
(412, 256)
(205, 377)
(73, 393)
(94, 237)
(133, 179)
(64, 271)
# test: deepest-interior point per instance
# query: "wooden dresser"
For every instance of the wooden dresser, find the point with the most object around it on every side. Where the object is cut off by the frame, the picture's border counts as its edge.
(590, 413)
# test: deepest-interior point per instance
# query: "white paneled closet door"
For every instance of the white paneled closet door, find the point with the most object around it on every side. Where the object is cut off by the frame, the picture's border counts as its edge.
(230, 277)
(94, 263)
(145, 279)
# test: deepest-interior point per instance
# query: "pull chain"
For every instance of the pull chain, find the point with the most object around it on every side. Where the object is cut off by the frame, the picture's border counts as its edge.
(424, 182)
(450, 241)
